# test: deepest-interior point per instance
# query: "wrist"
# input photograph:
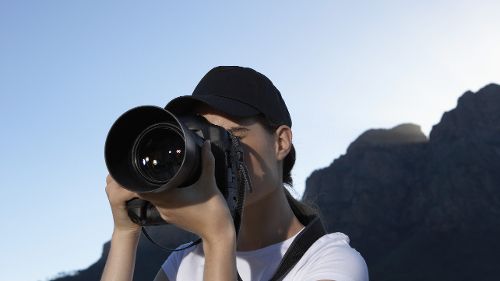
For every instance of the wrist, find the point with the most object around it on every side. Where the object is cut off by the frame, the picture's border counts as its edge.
(222, 228)
(220, 238)
(127, 233)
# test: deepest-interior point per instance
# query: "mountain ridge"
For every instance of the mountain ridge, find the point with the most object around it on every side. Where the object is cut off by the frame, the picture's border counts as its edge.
(401, 199)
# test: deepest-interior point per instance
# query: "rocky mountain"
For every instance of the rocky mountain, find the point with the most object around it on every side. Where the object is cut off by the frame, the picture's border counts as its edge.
(417, 208)
(421, 209)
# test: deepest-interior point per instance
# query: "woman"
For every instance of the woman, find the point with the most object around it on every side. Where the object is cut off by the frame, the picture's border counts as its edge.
(247, 104)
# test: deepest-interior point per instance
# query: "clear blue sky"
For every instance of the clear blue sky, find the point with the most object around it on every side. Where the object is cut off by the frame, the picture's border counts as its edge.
(68, 69)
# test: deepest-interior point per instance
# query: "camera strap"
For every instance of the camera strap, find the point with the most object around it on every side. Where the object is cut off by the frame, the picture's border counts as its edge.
(312, 232)
(238, 184)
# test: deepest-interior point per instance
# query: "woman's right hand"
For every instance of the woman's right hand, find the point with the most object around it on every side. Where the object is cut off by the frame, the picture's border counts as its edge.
(118, 196)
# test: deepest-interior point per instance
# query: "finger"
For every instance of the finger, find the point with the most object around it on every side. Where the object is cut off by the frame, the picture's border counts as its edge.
(145, 196)
(109, 178)
(207, 160)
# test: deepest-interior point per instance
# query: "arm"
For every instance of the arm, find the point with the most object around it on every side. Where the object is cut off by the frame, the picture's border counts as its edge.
(219, 261)
(220, 257)
(121, 257)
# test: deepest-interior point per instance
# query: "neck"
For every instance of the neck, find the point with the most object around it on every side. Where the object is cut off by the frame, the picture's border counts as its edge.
(266, 222)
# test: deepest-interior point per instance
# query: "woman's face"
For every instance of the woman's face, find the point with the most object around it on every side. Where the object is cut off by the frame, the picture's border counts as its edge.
(260, 152)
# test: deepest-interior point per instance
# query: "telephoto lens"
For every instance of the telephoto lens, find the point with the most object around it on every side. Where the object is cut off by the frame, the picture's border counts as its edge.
(149, 149)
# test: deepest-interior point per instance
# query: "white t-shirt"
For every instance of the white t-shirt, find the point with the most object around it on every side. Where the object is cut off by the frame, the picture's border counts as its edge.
(329, 258)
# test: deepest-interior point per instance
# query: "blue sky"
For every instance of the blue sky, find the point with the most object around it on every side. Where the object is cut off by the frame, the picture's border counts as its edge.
(68, 69)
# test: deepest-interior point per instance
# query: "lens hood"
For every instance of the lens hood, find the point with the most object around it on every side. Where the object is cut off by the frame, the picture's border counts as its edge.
(127, 133)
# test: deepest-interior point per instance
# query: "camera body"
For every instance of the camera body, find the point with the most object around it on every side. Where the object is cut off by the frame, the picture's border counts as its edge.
(149, 150)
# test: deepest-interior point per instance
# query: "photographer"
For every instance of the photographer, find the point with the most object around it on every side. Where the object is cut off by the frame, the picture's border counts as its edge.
(247, 104)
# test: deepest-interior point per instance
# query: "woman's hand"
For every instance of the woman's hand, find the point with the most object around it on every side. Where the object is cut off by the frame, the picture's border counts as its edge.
(199, 208)
(121, 257)
(118, 196)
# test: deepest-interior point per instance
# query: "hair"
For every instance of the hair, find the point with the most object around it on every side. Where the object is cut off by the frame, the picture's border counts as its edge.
(288, 164)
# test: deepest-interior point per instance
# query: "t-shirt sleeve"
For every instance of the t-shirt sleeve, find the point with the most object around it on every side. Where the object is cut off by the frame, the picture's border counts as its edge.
(171, 265)
(335, 260)
(173, 262)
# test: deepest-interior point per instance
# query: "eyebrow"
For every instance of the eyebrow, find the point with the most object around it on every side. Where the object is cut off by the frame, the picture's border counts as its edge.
(238, 130)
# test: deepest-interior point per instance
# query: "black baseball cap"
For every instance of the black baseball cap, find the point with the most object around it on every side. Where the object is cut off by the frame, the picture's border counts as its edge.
(236, 91)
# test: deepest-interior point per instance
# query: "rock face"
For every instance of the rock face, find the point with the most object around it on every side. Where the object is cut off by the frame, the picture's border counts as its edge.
(421, 209)
(416, 208)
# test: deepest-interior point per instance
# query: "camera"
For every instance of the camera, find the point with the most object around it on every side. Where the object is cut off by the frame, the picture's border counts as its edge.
(149, 150)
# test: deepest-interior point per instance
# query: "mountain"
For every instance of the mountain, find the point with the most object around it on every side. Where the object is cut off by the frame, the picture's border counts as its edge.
(417, 208)
(421, 209)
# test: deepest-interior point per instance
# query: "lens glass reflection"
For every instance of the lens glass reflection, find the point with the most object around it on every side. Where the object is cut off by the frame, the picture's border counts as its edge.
(159, 154)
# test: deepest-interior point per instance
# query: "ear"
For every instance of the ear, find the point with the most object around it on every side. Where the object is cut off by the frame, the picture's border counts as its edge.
(283, 138)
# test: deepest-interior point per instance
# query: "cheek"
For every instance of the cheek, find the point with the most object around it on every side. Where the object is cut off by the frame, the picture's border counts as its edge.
(255, 167)
(263, 174)
(261, 161)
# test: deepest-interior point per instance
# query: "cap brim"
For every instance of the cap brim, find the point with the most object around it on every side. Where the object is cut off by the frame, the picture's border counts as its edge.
(229, 106)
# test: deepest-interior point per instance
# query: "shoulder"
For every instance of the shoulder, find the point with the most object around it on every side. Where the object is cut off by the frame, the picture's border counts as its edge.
(331, 257)
(335, 248)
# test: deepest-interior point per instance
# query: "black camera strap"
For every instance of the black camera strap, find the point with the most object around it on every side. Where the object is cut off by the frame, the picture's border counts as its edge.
(312, 232)
(236, 191)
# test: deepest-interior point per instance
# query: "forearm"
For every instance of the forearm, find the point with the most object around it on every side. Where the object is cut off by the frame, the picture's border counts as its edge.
(121, 257)
(220, 258)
